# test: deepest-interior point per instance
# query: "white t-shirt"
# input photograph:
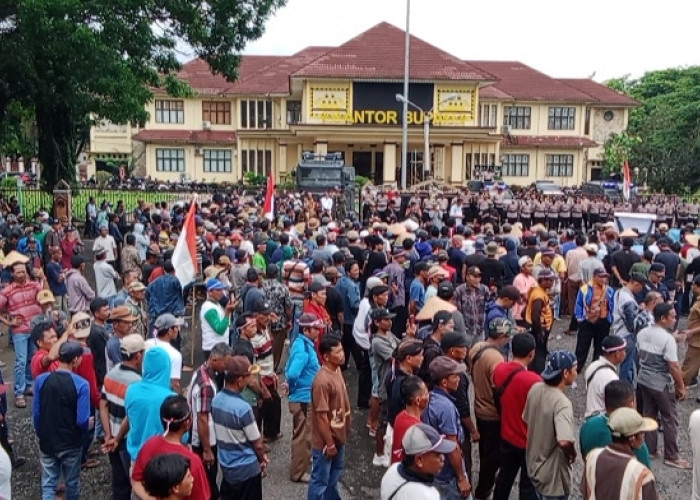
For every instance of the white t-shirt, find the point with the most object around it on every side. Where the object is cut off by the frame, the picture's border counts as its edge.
(412, 490)
(106, 243)
(595, 391)
(5, 473)
(173, 354)
(104, 279)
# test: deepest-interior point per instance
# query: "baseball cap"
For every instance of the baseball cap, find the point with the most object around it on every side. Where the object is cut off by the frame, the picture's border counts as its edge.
(445, 290)
(601, 272)
(454, 339)
(131, 344)
(440, 318)
(136, 286)
(545, 274)
(628, 422)
(381, 313)
(167, 320)
(238, 366)
(215, 284)
(442, 367)
(80, 322)
(547, 252)
(69, 351)
(657, 267)
(557, 362)
(422, 438)
(122, 313)
(379, 289)
(613, 343)
(45, 297)
(261, 307)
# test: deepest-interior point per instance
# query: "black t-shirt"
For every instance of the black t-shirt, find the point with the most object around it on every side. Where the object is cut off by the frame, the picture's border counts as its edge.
(97, 341)
(334, 306)
(243, 347)
(492, 272)
(623, 260)
(358, 254)
(671, 261)
(474, 259)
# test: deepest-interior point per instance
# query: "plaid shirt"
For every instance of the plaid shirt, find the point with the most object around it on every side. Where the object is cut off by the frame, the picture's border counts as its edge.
(200, 395)
(471, 302)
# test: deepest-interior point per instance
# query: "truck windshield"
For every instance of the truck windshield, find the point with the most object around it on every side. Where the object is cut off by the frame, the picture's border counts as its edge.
(318, 176)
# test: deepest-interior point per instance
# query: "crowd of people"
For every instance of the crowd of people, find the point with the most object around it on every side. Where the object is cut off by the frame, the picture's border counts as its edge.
(443, 316)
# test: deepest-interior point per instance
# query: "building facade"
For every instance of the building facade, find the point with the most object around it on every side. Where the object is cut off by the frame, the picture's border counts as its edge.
(482, 115)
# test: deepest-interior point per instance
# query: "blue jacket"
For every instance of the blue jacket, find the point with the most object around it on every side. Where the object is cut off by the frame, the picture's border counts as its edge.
(301, 369)
(143, 400)
(584, 297)
(350, 290)
(164, 295)
(493, 311)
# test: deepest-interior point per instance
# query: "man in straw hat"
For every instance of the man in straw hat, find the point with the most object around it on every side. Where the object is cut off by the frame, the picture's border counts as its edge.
(613, 471)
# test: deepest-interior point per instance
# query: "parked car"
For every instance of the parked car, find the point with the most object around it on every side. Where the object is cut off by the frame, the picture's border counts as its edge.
(28, 178)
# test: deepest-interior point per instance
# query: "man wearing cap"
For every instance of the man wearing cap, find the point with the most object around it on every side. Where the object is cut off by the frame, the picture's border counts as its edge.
(613, 471)
(122, 325)
(591, 262)
(441, 324)
(167, 329)
(409, 357)
(549, 416)
(594, 312)
(105, 241)
(512, 382)
(452, 481)
(302, 366)
(213, 318)
(270, 411)
(241, 452)
(246, 327)
(412, 478)
(655, 283)
(113, 412)
(471, 298)
(61, 415)
(661, 381)
(502, 307)
(602, 371)
(19, 301)
(436, 274)
(136, 302)
(540, 316)
(493, 271)
(622, 261)
(484, 357)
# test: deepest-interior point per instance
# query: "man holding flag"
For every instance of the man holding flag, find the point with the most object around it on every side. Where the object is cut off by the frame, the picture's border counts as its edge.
(269, 206)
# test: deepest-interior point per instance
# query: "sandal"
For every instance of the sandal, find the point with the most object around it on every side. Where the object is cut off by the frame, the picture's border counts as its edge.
(678, 463)
(20, 402)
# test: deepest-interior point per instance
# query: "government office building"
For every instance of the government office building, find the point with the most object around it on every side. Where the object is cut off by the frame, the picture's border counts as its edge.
(497, 116)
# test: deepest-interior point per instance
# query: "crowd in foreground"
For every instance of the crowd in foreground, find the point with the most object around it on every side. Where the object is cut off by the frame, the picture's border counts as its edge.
(422, 311)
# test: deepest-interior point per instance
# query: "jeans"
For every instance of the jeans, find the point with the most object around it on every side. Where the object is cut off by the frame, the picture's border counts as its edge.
(297, 310)
(24, 350)
(448, 490)
(325, 475)
(65, 462)
(628, 368)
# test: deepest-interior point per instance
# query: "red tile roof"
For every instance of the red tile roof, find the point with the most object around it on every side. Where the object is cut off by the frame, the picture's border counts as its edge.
(548, 141)
(524, 83)
(600, 93)
(198, 74)
(186, 136)
(379, 53)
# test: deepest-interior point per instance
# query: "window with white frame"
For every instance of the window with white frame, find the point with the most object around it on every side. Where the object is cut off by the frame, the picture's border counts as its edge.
(560, 165)
(515, 165)
(170, 160)
(517, 117)
(487, 115)
(170, 111)
(258, 161)
(561, 118)
(217, 160)
(256, 114)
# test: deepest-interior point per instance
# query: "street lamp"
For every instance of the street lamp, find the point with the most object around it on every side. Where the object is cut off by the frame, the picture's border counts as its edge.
(427, 116)
(404, 125)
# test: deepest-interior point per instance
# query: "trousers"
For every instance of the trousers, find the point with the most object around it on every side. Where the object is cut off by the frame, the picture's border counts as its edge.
(590, 332)
(662, 403)
(489, 455)
(512, 461)
(301, 440)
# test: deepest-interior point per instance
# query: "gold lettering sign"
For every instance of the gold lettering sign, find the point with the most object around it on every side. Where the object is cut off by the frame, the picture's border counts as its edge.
(454, 106)
(330, 103)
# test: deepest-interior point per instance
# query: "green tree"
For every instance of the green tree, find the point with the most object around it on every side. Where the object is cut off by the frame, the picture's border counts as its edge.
(618, 149)
(667, 123)
(68, 60)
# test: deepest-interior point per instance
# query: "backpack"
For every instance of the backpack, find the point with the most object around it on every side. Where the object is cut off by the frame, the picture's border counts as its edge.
(498, 391)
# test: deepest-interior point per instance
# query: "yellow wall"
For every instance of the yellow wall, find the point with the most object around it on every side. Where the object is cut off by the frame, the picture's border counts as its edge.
(109, 138)
(538, 166)
(539, 117)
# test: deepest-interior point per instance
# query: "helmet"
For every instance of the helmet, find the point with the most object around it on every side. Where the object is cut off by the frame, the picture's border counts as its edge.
(499, 327)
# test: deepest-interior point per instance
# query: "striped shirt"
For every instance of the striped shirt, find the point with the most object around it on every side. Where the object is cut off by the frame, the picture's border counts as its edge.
(262, 349)
(296, 276)
(236, 431)
(200, 396)
(116, 382)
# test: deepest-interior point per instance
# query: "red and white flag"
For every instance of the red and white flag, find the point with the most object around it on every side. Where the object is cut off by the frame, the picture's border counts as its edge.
(185, 253)
(269, 207)
(627, 184)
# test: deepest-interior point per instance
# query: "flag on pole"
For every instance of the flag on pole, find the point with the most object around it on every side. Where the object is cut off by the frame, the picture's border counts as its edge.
(185, 253)
(627, 184)
(269, 207)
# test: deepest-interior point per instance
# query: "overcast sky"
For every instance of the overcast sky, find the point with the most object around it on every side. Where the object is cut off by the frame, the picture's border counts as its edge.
(560, 38)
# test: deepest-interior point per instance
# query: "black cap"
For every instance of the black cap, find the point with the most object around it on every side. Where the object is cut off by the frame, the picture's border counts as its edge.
(657, 267)
(69, 351)
(421, 266)
(252, 274)
(446, 290)
(454, 339)
(440, 318)
(381, 313)
(378, 290)
(76, 261)
(261, 307)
